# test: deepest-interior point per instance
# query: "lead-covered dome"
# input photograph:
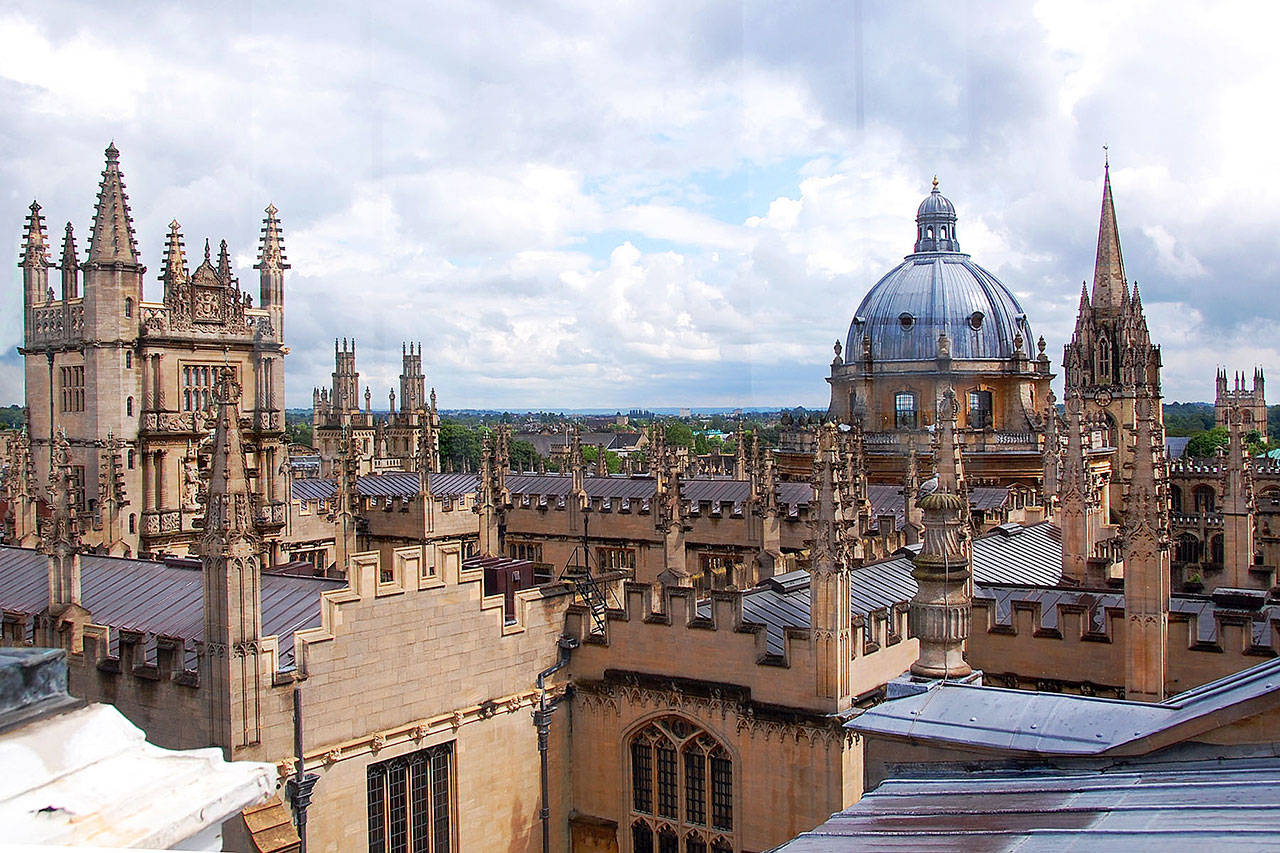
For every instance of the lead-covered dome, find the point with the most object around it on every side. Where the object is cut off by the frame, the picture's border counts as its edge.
(937, 289)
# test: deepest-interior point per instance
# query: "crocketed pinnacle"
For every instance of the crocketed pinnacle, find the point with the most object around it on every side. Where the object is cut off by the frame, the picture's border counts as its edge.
(229, 518)
(224, 263)
(175, 257)
(70, 258)
(112, 240)
(1109, 287)
(271, 245)
(35, 249)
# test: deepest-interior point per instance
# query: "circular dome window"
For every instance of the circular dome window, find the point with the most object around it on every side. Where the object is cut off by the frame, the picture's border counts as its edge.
(975, 320)
(906, 320)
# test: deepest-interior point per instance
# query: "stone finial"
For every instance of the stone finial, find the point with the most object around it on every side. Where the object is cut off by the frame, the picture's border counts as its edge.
(224, 263)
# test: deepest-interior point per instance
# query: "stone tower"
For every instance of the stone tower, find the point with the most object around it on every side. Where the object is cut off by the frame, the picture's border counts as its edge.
(413, 383)
(346, 380)
(1110, 361)
(1238, 503)
(1252, 402)
(233, 676)
(101, 365)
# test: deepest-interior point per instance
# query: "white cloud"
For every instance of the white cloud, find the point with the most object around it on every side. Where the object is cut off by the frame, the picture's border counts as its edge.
(579, 205)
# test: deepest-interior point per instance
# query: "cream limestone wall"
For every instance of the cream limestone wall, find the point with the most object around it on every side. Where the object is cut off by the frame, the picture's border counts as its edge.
(418, 660)
(790, 771)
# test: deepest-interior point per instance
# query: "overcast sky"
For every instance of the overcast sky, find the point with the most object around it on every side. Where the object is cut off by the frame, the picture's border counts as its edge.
(576, 205)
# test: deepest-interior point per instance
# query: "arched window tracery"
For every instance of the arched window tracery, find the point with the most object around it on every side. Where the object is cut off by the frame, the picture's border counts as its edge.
(681, 790)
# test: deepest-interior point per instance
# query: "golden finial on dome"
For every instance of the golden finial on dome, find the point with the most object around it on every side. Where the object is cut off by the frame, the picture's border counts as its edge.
(935, 183)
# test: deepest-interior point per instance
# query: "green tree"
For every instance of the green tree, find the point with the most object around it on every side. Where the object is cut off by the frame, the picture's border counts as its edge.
(459, 446)
(524, 456)
(679, 434)
(1207, 443)
(611, 459)
(299, 432)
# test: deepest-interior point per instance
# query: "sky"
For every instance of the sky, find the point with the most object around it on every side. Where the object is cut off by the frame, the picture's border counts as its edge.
(578, 204)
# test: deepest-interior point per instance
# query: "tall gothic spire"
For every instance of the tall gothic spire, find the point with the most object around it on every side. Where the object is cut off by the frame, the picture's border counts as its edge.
(35, 248)
(112, 240)
(1109, 286)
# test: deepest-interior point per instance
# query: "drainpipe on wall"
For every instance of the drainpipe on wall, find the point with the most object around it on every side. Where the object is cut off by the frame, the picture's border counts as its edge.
(298, 788)
(542, 719)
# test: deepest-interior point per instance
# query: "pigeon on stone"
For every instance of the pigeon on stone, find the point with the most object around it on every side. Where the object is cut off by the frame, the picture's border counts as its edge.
(927, 488)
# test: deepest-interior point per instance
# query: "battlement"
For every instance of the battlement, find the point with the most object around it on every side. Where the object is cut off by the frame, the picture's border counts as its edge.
(734, 632)
(1075, 638)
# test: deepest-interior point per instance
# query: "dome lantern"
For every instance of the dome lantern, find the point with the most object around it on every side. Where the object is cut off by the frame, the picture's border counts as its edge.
(936, 223)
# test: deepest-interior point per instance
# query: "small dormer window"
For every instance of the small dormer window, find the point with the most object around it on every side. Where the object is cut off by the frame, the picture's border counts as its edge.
(975, 320)
(906, 320)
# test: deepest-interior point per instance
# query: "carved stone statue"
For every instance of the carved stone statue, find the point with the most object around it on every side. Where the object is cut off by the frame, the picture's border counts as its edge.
(190, 481)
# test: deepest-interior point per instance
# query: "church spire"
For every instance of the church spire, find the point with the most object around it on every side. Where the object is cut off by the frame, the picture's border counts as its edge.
(112, 240)
(1109, 287)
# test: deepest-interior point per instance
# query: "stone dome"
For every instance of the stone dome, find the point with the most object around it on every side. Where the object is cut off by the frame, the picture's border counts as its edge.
(938, 289)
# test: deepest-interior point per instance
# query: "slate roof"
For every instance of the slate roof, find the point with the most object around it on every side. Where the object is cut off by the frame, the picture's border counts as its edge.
(551, 485)
(158, 598)
(1226, 804)
(885, 499)
(1026, 555)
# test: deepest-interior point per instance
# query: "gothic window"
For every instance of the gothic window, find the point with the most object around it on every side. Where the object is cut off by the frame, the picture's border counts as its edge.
(1204, 498)
(197, 385)
(613, 559)
(979, 409)
(681, 790)
(133, 523)
(1104, 361)
(1188, 549)
(73, 389)
(410, 802)
(128, 360)
(128, 407)
(531, 551)
(1215, 550)
(1175, 498)
(904, 410)
(132, 457)
(128, 306)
